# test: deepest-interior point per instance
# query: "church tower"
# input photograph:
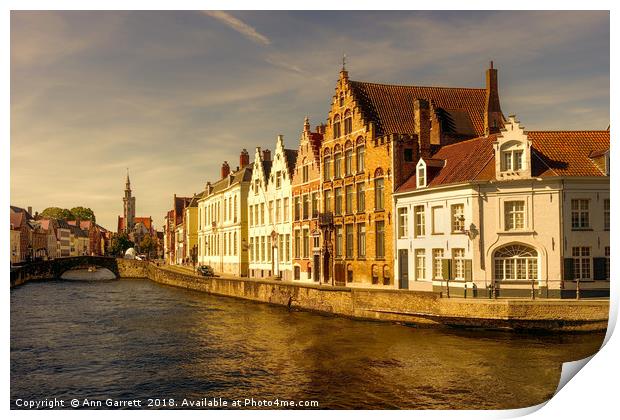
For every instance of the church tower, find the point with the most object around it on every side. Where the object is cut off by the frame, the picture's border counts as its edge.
(129, 206)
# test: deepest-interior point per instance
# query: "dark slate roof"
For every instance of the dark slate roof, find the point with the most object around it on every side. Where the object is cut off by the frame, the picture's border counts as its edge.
(291, 160)
(391, 107)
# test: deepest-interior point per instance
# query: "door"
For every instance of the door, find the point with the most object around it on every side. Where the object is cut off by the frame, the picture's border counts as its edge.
(403, 269)
(326, 266)
(316, 266)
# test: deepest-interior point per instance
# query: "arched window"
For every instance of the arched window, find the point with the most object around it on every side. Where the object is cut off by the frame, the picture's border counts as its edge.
(348, 122)
(516, 262)
(336, 127)
(360, 153)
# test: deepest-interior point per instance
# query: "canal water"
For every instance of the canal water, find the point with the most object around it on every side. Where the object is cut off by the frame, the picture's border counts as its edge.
(137, 339)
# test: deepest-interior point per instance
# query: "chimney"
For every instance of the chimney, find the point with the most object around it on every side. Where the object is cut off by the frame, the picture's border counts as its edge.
(225, 169)
(30, 210)
(493, 117)
(267, 155)
(244, 159)
(421, 113)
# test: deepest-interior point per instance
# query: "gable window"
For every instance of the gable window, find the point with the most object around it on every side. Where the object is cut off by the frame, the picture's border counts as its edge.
(337, 165)
(514, 215)
(360, 158)
(304, 172)
(458, 217)
(348, 162)
(336, 127)
(421, 175)
(379, 190)
(348, 123)
(278, 179)
(402, 222)
(341, 101)
(512, 160)
(580, 214)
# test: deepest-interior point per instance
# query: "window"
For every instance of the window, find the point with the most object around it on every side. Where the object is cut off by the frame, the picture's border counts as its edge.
(306, 206)
(336, 127)
(360, 158)
(361, 240)
(250, 218)
(287, 244)
(516, 262)
(458, 256)
(341, 101)
(582, 263)
(270, 212)
(379, 190)
(437, 263)
(338, 201)
(304, 173)
(328, 201)
(458, 218)
(278, 179)
(262, 213)
(278, 211)
(419, 221)
(348, 123)
(348, 162)
(361, 198)
(348, 194)
(349, 240)
(606, 214)
(421, 176)
(402, 222)
(514, 215)
(327, 170)
(607, 260)
(306, 243)
(297, 244)
(580, 214)
(263, 248)
(437, 219)
(512, 160)
(380, 238)
(285, 211)
(338, 241)
(251, 249)
(235, 244)
(296, 209)
(420, 264)
(337, 165)
(315, 204)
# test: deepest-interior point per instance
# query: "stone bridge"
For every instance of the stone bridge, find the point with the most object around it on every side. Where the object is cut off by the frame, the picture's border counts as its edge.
(55, 268)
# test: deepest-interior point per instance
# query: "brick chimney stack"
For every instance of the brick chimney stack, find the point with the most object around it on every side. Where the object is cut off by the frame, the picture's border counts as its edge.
(244, 159)
(266, 155)
(421, 113)
(225, 169)
(493, 118)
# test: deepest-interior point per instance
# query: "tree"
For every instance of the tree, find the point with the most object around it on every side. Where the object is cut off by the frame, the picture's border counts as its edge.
(120, 243)
(58, 213)
(83, 213)
(148, 245)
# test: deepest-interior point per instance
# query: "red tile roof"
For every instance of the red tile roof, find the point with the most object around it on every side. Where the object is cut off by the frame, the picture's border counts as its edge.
(554, 153)
(147, 221)
(391, 106)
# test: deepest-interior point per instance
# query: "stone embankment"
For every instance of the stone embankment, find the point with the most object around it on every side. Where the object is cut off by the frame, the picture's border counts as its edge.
(409, 307)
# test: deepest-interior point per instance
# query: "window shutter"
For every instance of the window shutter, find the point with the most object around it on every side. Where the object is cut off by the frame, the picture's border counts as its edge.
(600, 268)
(569, 269)
(446, 268)
(468, 270)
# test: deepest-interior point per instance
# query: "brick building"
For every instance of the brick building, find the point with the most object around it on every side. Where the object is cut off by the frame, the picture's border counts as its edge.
(306, 193)
(375, 135)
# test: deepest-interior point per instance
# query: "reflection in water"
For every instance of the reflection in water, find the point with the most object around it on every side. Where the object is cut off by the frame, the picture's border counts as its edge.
(136, 339)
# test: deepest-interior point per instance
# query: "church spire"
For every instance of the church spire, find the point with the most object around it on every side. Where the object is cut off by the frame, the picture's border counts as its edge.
(127, 182)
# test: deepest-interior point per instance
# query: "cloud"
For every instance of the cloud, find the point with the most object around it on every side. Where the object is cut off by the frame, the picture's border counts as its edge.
(238, 25)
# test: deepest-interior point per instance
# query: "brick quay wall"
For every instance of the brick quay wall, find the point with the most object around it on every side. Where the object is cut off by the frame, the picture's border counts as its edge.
(408, 307)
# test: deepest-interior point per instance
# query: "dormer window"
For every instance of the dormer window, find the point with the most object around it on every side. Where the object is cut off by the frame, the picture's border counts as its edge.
(512, 160)
(421, 175)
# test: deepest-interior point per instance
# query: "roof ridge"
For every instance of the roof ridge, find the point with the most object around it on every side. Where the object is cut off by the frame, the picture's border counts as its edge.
(447, 146)
(568, 131)
(418, 86)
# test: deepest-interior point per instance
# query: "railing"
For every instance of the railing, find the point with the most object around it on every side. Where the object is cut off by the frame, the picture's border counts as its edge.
(326, 219)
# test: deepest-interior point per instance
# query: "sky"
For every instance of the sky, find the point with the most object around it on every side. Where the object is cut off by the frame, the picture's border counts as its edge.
(172, 94)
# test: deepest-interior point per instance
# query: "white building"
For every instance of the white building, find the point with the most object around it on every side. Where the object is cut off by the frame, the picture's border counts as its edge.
(222, 221)
(513, 214)
(269, 213)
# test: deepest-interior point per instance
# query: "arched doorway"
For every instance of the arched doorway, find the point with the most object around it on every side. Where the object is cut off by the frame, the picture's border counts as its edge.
(516, 262)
